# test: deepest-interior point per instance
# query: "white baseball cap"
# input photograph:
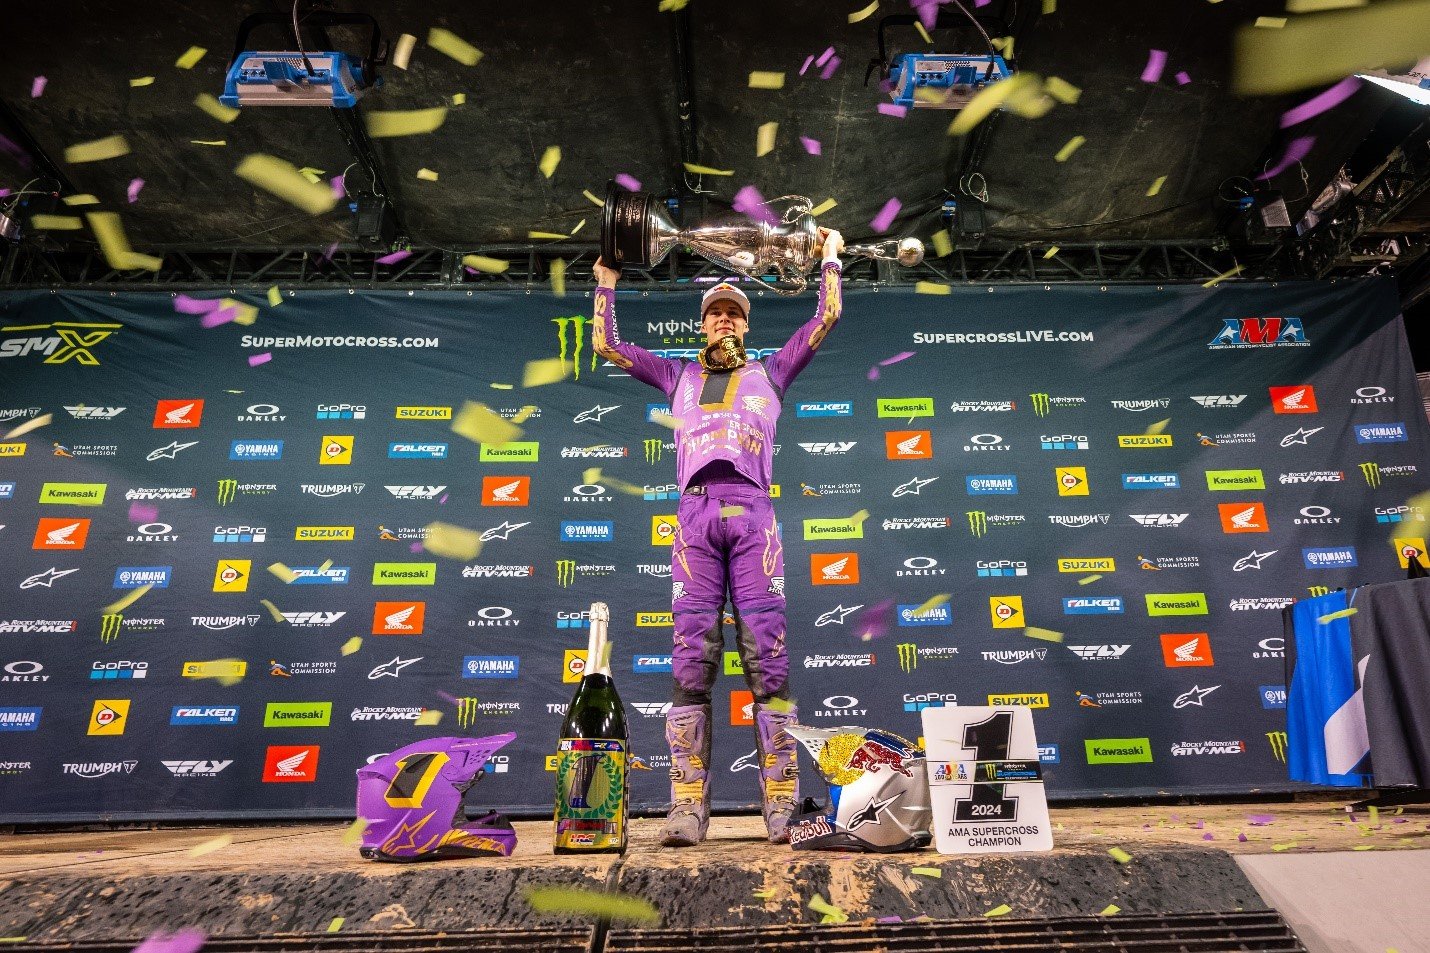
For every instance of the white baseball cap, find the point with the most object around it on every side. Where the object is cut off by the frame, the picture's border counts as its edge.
(725, 291)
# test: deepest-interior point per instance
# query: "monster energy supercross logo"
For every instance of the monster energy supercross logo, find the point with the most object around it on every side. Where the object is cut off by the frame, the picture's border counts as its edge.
(977, 522)
(1316, 591)
(908, 656)
(565, 572)
(109, 626)
(226, 489)
(578, 326)
(1371, 472)
(1278, 744)
(1040, 404)
(466, 712)
(653, 451)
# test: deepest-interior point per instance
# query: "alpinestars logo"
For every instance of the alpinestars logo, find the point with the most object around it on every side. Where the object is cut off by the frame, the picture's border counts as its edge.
(169, 451)
(594, 415)
(46, 578)
(1300, 436)
(837, 615)
(1252, 560)
(1259, 332)
(503, 531)
(912, 487)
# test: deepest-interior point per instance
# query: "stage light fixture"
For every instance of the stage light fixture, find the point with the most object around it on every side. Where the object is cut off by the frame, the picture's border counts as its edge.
(951, 79)
(1414, 85)
(298, 77)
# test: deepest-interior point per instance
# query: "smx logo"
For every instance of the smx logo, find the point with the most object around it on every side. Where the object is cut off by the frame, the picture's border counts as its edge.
(69, 341)
(1259, 332)
(576, 339)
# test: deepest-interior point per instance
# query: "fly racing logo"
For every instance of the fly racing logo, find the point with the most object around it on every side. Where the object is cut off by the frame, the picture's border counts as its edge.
(1213, 401)
(1099, 653)
(311, 620)
(1162, 520)
(196, 769)
(913, 486)
(837, 615)
(653, 709)
(594, 415)
(81, 412)
(1252, 560)
(1301, 436)
(825, 448)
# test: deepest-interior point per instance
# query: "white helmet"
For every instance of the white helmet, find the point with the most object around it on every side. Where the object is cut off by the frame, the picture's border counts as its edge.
(878, 792)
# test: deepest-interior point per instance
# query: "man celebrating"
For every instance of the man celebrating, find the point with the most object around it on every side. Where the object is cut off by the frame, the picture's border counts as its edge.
(725, 408)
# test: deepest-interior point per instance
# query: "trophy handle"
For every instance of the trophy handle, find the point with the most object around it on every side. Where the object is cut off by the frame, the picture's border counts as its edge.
(798, 205)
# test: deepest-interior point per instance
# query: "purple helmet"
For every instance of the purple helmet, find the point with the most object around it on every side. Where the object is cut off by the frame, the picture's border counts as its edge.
(411, 798)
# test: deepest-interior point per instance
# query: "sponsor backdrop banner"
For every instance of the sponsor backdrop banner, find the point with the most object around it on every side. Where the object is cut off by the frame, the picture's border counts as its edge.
(1152, 474)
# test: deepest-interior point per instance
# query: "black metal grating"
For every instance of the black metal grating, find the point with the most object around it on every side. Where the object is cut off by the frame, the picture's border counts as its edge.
(494, 940)
(1137, 933)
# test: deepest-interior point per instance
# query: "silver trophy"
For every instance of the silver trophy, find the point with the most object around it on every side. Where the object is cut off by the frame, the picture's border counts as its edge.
(637, 233)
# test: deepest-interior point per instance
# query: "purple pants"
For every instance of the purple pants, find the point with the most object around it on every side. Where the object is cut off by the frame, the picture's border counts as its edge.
(738, 553)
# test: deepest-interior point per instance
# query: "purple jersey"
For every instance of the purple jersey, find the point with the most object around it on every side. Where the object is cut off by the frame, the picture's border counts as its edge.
(722, 416)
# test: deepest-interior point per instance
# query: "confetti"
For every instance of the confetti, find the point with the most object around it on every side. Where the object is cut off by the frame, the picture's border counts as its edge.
(1315, 6)
(139, 513)
(670, 6)
(762, 79)
(141, 81)
(209, 104)
(1183, 78)
(402, 53)
(336, 924)
(1241, 837)
(97, 150)
(445, 41)
(405, 122)
(1050, 6)
(749, 202)
(210, 846)
(1156, 62)
(1295, 152)
(932, 288)
(273, 610)
(282, 572)
(558, 277)
(115, 246)
(556, 236)
(781, 704)
(37, 87)
(84, 198)
(865, 13)
(394, 258)
(926, 871)
(765, 139)
(1333, 616)
(986, 101)
(427, 175)
(1001, 910)
(1069, 147)
(550, 159)
(918, 25)
(282, 179)
(133, 191)
(452, 542)
(829, 68)
(934, 602)
(1260, 820)
(942, 244)
(459, 99)
(1318, 104)
(209, 142)
(185, 941)
(496, 386)
(1223, 277)
(1311, 51)
(1087, 579)
(492, 266)
(1156, 186)
(832, 914)
(1110, 910)
(191, 57)
(885, 219)
(1119, 855)
(807, 61)
(34, 424)
(765, 894)
(352, 834)
(351, 646)
(812, 146)
(1052, 250)
(312, 175)
(823, 207)
(1270, 23)
(893, 109)
(1046, 635)
(429, 717)
(611, 906)
(1061, 90)
(547, 371)
(1286, 846)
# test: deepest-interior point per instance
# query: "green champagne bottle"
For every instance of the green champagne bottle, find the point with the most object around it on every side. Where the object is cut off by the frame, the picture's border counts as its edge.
(592, 756)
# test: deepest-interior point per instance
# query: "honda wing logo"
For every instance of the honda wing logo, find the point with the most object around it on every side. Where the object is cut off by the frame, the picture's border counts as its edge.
(503, 493)
(834, 570)
(398, 619)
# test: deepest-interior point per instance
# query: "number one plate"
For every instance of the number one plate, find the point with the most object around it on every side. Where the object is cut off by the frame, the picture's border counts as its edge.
(1008, 813)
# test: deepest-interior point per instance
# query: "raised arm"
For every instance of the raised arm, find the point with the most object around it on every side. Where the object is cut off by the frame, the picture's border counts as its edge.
(784, 366)
(660, 372)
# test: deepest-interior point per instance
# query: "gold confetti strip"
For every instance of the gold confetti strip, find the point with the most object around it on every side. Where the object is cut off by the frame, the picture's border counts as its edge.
(275, 297)
(986, 102)
(56, 222)
(452, 542)
(445, 41)
(352, 834)
(598, 202)
(1159, 427)
(282, 179)
(1029, 100)
(282, 572)
(832, 914)
(44, 420)
(127, 600)
(427, 175)
(1311, 51)
(1052, 250)
(823, 207)
(1004, 45)
(727, 511)
(554, 236)
(209, 104)
(1223, 277)
(1050, 6)
(1333, 616)
(550, 159)
(926, 871)
(781, 705)
(1061, 90)
(1110, 910)
(209, 142)
(542, 372)
(1156, 186)
(1001, 910)
(336, 924)
(938, 600)
(1270, 23)
(918, 25)
(859, 517)
(97, 150)
(245, 314)
(492, 266)
(765, 138)
(429, 717)
(191, 57)
(84, 198)
(1316, 6)
(706, 170)
(459, 99)
(932, 288)
(1087, 579)
(670, 6)
(351, 646)
(765, 79)
(524, 413)
(613, 906)
(405, 122)
(495, 386)
(865, 13)
(558, 277)
(1046, 635)
(480, 424)
(942, 244)
(112, 242)
(210, 846)
(1069, 147)
(142, 81)
(1119, 855)
(766, 894)
(273, 610)
(579, 225)
(402, 53)
(310, 173)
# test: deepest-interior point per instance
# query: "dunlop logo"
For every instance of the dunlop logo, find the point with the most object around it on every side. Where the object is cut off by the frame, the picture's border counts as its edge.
(565, 572)
(226, 490)
(578, 339)
(1277, 740)
(466, 712)
(109, 626)
(1371, 472)
(977, 522)
(908, 656)
(653, 451)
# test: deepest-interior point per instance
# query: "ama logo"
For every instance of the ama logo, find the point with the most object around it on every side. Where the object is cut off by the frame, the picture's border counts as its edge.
(1259, 332)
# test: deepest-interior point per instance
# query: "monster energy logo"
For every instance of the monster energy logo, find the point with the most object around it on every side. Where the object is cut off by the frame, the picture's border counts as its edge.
(653, 451)
(226, 490)
(1371, 472)
(1318, 590)
(109, 626)
(565, 572)
(466, 712)
(1278, 744)
(908, 656)
(1040, 404)
(977, 522)
(578, 324)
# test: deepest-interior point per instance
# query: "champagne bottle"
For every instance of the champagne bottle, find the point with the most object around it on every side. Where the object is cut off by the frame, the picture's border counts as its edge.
(592, 756)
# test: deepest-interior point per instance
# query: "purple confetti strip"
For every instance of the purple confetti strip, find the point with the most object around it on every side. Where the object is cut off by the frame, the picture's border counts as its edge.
(628, 182)
(885, 219)
(830, 67)
(222, 316)
(894, 109)
(874, 373)
(889, 920)
(981, 3)
(139, 513)
(133, 191)
(394, 258)
(4, 192)
(443, 500)
(37, 87)
(416, 547)
(927, 10)
(1200, 824)
(807, 60)
(825, 57)
(901, 356)
(1208, 836)
(1241, 837)
(330, 251)
(1295, 152)
(470, 270)
(185, 941)
(1319, 103)
(1183, 78)
(812, 146)
(256, 359)
(876, 620)
(1260, 820)
(20, 155)
(339, 185)
(186, 305)
(749, 202)
(1156, 62)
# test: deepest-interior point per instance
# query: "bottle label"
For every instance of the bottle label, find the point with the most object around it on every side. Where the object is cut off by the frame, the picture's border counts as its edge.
(591, 794)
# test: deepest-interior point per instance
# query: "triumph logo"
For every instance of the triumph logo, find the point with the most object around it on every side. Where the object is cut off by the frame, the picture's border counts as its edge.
(1138, 406)
(1078, 522)
(221, 623)
(328, 490)
(1015, 656)
(98, 769)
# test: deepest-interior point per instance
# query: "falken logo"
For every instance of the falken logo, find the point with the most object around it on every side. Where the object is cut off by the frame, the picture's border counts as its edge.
(1093, 605)
(1082, 520)
(1212, 401)
(1151, 481)
(1326, 558)
(988, 484)
(826, 448)
(417, 451)
(1259, 332)
(1161, 520)
(81, 412)
(204, 715)
(648, 664)
(825, 408)
(1382, 433)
